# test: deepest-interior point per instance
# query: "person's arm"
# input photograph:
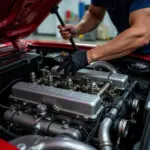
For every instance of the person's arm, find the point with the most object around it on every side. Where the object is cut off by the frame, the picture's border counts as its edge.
(138, 35)
(91, 19)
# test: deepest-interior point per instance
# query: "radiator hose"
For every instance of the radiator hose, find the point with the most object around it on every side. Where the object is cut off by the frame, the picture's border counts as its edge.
(104, 129)
(103, 65)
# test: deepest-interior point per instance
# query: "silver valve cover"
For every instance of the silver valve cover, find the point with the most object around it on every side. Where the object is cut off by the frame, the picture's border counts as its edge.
(77, 103)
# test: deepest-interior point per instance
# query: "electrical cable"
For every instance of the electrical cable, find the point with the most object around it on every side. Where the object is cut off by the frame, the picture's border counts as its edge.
(10, 85)
(2, 106)
(91, 134)
(102, 115)
(5, 107)
(8, 132)
(85, 131)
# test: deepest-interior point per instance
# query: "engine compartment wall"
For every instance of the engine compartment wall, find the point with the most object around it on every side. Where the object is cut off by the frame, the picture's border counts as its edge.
(13, 69)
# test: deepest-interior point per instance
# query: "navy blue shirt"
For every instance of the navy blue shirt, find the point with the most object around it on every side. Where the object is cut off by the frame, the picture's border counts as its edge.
(119, 11)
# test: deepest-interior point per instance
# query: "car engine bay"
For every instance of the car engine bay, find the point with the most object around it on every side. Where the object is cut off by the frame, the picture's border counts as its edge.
(103, 107)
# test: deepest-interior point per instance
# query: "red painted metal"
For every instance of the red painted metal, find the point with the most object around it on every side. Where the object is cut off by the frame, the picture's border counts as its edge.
(143, 57)
(7, 146)
(19, 18)
(61, 45)
(7, 48)
(68, 46)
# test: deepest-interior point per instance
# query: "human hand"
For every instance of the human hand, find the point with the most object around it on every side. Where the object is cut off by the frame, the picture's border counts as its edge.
(73, 63)
(68, 31)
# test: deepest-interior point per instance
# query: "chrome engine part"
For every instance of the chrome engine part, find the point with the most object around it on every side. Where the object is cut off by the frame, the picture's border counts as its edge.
(48, 127)
(77, 103)
(35, 142)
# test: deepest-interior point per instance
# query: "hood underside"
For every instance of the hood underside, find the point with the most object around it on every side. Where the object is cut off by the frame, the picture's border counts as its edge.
(19, 18)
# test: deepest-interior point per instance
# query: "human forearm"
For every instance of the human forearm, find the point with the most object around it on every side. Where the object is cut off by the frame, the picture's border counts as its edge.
(138, 35)
(91, 20)
(122, 54)
(122, 45)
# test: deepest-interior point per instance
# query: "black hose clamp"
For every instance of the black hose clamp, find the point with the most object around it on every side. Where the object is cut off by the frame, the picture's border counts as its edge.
(111, 116)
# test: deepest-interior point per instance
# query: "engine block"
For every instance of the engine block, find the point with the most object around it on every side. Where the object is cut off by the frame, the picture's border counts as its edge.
(82, 95)
(84, 107)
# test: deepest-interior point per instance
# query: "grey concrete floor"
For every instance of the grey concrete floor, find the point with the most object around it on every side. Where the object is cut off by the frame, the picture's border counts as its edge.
(53, 38)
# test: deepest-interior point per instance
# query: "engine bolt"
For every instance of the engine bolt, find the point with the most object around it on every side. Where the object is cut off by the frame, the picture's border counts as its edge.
(48, 119)
(24, 103)
(63, 122)
(65, 126)
(94, 88)
(56, 107)
(70, 83)
(22, 146)
(42, 109)
(33, 77)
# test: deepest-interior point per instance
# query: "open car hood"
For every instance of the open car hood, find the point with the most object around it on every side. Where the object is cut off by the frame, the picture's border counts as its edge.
(19, 18)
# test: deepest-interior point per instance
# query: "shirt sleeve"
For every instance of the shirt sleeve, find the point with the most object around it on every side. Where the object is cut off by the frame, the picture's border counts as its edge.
(139, 4)
(97, 2)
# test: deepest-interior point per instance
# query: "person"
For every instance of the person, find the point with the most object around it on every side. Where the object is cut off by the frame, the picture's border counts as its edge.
(132, 20)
